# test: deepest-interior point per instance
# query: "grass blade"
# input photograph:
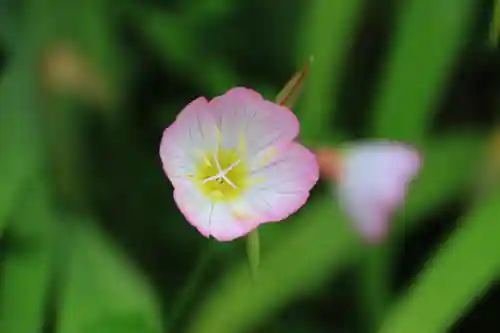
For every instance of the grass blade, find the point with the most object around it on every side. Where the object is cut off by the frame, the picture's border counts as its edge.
(440, 295)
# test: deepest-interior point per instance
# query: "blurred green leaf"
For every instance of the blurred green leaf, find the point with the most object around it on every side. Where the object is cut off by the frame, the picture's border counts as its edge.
(176, 42)
(319, 241)
(191, 285)
(468, 149)
(9, 27)
(437, 180)
(25, 196)
(327, 36)
(26, 271)
(127, 323)
(375, 288)
(426, 45)
(66, 151)
(82, 50)
(20, 144)
(196, 11)
(460, 272)
(21, 141)
(95, 22)
(495, 24)
(103, 289)
(409, 95)
(99, 39)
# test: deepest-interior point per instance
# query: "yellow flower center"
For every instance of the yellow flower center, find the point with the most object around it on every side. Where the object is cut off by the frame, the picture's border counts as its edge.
(222, 175)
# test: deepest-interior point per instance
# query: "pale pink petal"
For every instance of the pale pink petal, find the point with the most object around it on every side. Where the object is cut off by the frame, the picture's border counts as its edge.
(281, 184)
(242, 112)
(230, 225)
(241, 118)
(193, 131)
(373, 183)
(217, 220)
(195, 207)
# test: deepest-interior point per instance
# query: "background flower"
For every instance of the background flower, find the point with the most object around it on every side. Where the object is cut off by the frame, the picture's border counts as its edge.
(371, 181)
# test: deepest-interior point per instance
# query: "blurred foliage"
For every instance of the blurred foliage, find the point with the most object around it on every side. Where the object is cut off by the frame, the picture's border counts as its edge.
(476, 235)
(91, 240)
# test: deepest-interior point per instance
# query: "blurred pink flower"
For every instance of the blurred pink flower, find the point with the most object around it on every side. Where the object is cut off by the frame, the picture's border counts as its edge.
(372, 178)
(234, 165)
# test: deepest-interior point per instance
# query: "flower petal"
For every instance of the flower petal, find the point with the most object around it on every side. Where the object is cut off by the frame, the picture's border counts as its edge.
(282, 185)
(240, 119)
(227, 226)
(193, 131)
(242, 114)
(373, 181)
(209, 218)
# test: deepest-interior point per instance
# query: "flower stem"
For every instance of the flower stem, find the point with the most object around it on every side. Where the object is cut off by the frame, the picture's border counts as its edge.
(253, 252)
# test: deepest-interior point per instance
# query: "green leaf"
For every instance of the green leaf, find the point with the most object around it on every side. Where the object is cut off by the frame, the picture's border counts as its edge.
(9, 27)
(495, 24)
(191, 286)
(26, 271)
(374, 290)
(197, 11)
(375, 285)
(429, 35)
(19, 142)
(20, 139)
(103, 291)
(327, 33)
(319, 242)
(460, 272)
(175, 41)
(81, 38)
(411, 87)
(437, 181)
(25, 196)
(93, 21)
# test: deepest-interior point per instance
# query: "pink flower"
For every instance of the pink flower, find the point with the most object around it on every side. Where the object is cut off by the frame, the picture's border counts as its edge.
(372, 179)
(234, 165)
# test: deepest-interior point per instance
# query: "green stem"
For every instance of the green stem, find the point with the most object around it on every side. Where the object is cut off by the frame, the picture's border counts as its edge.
(191, 286)
(253, 252)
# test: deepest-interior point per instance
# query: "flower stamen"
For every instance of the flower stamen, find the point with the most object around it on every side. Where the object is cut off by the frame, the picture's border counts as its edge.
(221, 175)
